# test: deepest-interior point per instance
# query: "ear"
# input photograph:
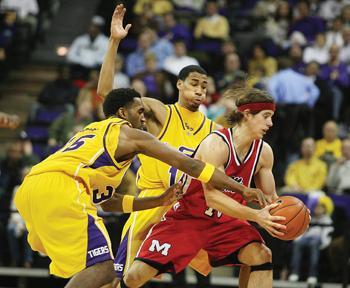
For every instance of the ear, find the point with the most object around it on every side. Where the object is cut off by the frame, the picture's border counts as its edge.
(122, 113)
(246, 114)
(179, 84)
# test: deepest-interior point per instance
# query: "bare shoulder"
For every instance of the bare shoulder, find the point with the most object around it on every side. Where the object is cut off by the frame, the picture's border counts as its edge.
(213, 149)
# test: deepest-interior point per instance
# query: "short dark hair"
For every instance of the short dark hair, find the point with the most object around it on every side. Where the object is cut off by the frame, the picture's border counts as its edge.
(189, 69)
(117, 98)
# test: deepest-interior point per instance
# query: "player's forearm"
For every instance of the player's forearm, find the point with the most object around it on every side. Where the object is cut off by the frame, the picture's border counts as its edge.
(105, 82)
(147, 203)
(221, 181)
(221, 202)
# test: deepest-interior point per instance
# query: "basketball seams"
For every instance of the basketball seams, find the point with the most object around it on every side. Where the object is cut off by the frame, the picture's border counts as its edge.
(296, 214)
(274, 210)
(295, 235)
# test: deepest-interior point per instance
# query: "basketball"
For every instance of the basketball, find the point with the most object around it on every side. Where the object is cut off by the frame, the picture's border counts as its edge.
(296, 213)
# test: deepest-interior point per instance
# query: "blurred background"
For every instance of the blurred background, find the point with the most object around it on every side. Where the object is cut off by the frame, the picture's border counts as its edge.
(50, 56)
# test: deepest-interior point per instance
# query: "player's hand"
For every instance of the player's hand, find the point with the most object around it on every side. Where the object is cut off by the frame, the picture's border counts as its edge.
(255, 195)
(269, 222)
(172, 194)
(118, 32)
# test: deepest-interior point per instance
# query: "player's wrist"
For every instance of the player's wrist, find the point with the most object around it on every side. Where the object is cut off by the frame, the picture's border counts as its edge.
(128, 203)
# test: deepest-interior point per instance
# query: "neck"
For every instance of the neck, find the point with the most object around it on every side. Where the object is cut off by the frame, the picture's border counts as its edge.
(182, 104)
(242, 137)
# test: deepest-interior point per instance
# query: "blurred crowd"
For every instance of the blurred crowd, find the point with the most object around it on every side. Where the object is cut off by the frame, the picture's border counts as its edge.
(299, 51)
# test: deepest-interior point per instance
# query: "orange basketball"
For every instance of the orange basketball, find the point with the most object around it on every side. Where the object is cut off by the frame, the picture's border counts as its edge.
(296, 213)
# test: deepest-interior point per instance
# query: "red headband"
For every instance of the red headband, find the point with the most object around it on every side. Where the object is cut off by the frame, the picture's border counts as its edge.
(258, 106)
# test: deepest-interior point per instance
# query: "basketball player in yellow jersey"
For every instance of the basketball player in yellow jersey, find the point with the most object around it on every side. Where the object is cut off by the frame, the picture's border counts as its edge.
(180, 125)
(58, 198)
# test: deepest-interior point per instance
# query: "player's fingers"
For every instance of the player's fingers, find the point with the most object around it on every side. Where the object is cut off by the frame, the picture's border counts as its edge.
(127, 27)
(262, 201)
(273, 205)
(277, 218)
(276, 233)
(123, 12)
(278, 226)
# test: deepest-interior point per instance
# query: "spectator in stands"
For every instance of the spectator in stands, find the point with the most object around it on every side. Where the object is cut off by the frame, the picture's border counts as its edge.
(232, 67)
(148, 41)
(156, 81)
(9, 121)
(145, 18)
(17, 233)
(295, 54)
(59, 92)
(265, 8)
(319, 52)
(330, 9)
(159, 7)
(345, 15)
(192, 6)
(277, 25)
(87, 50)
(69, 123)
(308, 173)
(27, 11)
(211, 29)
(121, 80)
(290, 87)
(306, 24)
(323, 107)
(260, 60)
(335, 35)
(139, 86)
(89, 92)
(316, 238)
(213, 25)
(174, 31)
(335, 72)
(344, 53)
(174, 63)
(8, 29)
(338, 180)
(329, 147)
(295, 95)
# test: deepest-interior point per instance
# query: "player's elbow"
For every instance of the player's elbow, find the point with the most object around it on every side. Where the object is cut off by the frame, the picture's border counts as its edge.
(102, 92)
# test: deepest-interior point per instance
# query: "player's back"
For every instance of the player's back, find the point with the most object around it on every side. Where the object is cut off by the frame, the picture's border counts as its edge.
(89, 157)
(193, 203)
(183, 130)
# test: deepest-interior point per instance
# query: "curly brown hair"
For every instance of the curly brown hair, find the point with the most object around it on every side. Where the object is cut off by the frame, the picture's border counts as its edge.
(245, 96)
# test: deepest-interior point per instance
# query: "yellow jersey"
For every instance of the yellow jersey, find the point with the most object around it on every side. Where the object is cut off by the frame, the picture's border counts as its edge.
(183, 130)
(89, 157)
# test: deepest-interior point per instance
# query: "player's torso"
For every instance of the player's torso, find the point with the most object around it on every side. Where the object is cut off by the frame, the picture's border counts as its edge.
(183, 130)
(193, 203)
(89, 158)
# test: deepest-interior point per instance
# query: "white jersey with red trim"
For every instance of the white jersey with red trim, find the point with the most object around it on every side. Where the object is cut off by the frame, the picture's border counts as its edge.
(193, 203)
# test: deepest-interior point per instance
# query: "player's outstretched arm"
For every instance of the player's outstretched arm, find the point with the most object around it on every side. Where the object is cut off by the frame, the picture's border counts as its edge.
(127, 204)
(105, 82)
(133, 141)
(118, 32)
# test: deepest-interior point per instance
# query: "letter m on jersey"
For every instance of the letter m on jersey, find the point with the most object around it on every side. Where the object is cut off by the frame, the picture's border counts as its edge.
(163, 249)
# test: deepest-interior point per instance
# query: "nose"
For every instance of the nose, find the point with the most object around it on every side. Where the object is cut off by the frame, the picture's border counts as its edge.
(269, 122)
(143, 119)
